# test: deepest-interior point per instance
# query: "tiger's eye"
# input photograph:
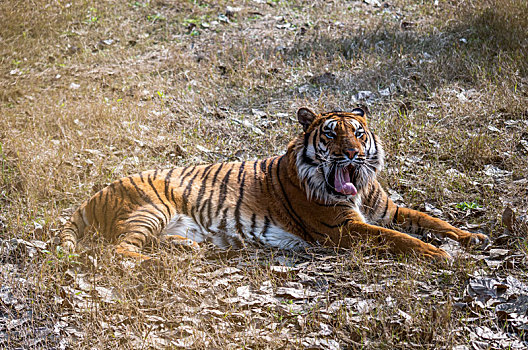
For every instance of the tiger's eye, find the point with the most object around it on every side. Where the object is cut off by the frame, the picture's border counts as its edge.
(329, 134)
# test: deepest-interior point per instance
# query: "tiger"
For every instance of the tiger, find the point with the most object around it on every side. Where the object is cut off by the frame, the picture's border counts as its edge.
(323, 191)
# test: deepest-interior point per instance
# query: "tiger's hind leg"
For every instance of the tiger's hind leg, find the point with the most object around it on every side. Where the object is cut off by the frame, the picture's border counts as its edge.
(130, 250)
(133, 233)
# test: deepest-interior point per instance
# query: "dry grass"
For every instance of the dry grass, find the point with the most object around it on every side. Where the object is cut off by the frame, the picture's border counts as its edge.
(92, 91)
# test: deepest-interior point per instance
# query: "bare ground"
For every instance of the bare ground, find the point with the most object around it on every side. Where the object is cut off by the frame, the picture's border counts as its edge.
(93, 91)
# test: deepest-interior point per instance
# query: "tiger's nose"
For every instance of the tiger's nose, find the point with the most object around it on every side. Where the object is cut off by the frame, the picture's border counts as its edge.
(351, 153)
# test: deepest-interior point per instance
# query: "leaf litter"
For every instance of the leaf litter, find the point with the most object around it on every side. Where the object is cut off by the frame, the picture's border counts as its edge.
(277, 296)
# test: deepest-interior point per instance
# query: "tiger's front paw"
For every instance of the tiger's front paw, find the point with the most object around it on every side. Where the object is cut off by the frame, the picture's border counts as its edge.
(431, 252)
(437, 254)
(472, 239)
(479, 239)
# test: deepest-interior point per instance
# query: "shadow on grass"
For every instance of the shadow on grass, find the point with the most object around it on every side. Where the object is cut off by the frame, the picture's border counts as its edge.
(480, 48)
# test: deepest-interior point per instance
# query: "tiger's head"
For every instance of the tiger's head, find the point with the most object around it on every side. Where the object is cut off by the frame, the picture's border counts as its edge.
(337, 155)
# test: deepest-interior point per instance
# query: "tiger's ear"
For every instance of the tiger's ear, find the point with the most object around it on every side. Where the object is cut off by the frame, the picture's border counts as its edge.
(305, 117)
(362, 111)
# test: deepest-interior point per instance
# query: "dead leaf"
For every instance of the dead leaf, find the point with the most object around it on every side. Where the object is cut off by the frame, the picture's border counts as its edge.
(498, 253)
(258, 113)
(295, 293)
(495, 172)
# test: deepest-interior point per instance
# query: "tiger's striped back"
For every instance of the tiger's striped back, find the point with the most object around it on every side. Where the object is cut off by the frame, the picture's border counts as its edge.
(196, 202)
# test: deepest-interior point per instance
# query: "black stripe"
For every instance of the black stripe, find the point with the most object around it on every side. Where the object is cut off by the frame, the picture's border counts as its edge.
(373, 139)
(183, 177)
(158, 195)
(266, 226)
(142, 218)
(395, 218)
(272, 219)
(139, 222)
(240, 171)
(167, 185)
(238, 225)
(207, 204)
(263, 165)
(114, 217)
(147, 199)
(186, 193)
(386, 207)
(289, 210)
(209, 207)
(370, 166)
(253, 223)
(223, 191)
(305, 157)
(256, 176)
(206, 171)
(143, 235)
(203, 178)
(216, 174)
(133, 198)
(120, 188)
(346, 221)
(148, 212)
(201, 215)
(255, 170)
(208, 201)
(314, 138)
(173, 200)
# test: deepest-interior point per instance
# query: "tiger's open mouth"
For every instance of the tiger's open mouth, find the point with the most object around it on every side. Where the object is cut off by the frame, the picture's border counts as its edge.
(341, 180)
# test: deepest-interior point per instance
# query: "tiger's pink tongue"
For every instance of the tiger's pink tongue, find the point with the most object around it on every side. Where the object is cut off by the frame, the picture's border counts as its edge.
(342, 182)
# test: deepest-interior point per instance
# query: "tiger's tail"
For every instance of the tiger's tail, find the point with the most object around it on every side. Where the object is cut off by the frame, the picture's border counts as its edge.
(73, 229)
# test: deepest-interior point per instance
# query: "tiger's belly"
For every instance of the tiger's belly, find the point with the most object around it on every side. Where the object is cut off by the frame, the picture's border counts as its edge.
(226, 235)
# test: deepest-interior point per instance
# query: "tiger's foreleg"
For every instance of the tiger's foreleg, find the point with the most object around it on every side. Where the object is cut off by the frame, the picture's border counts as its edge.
(394, 241)
(417, 222)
